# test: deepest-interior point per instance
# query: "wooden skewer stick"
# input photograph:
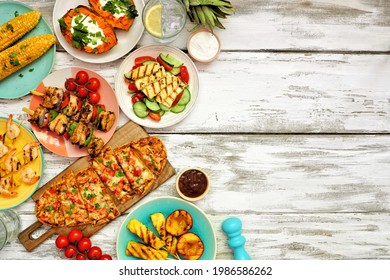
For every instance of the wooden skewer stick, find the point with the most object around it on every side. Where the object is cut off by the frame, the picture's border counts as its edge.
(37, 93)
(28, 111)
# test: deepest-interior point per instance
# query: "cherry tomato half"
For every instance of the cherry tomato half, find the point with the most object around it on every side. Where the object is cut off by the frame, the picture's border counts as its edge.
(155, 116)
(70, 84)
(141, 59)
(84, 245)
(70, 251)
(75, 235)
(82, 91)
(62, 241)
(105, 257)
(137, 97)
(81, 77)
(177, 99)
(93, 84)
(94, 97)
(184, 74)
(94, 253)
(132, 88)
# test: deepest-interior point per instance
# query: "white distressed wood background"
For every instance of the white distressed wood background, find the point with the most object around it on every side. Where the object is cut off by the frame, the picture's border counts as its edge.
(292, 124)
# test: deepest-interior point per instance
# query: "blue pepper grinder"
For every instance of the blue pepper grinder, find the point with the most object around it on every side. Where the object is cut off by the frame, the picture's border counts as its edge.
(232, 227)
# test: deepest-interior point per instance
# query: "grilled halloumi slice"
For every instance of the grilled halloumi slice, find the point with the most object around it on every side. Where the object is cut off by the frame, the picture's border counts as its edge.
(144, 70)
(141, 83)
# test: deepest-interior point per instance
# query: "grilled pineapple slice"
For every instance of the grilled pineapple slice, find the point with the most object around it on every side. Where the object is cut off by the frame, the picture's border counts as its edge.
(145, 252)
(158, 221)
(145, 234)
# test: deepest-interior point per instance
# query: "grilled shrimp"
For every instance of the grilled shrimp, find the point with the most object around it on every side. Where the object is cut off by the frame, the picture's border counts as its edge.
(28, 176)
(3, 148)
(11, 162)
(6, 183)
(13, 129)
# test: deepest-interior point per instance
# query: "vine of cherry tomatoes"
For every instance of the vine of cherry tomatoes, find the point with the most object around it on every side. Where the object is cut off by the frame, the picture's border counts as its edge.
(76, 246)
(84, 86)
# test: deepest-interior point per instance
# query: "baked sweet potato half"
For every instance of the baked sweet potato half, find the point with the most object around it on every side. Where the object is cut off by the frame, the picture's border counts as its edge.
(85, 30)
(118, 13)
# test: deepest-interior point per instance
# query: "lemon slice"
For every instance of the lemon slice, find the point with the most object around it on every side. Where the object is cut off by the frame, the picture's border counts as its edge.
(153, 20)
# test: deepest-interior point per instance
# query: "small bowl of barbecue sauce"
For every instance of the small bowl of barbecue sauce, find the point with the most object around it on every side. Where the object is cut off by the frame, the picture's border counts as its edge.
(192, 184)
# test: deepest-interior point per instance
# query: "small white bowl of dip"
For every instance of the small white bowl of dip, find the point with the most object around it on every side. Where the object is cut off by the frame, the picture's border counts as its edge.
(203, 45)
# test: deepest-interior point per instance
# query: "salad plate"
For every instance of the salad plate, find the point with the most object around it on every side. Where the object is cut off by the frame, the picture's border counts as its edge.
(124, 98)
(58, 144)
(166, 205)
(21, 82)
(126, 39)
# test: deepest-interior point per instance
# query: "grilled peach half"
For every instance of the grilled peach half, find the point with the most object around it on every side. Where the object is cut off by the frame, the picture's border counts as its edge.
(178, 222)
(190, 246)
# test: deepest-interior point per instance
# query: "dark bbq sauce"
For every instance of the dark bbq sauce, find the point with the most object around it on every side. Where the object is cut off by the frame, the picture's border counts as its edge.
(193, 183)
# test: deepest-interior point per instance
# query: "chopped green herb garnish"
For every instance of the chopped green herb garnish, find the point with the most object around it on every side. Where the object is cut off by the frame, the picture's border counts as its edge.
(14, 62)
(97, 206)
(10, 27)
(119, 173)
(49, 208)
(16, 13)
(31, 69)
(121, 7)
(22, 47)
(21, 75)
(5, 66)
(13, 54)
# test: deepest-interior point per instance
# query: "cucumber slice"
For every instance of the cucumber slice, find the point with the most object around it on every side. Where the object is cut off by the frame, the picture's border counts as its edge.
(163, 107)
(178, 108)
(140, 109)
(175, 71)
(185, 98)
(173, 61)
(162, 113)
(152, 105)
(146, 62)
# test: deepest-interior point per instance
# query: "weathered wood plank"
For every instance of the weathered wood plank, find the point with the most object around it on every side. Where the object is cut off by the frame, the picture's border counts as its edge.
(276, 93)
(349, 25)
(268, 236)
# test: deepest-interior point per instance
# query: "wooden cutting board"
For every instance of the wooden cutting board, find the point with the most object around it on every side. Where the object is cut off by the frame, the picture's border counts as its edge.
(128, 132)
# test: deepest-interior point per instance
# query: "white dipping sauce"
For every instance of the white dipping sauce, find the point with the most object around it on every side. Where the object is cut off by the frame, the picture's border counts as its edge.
(203, 46)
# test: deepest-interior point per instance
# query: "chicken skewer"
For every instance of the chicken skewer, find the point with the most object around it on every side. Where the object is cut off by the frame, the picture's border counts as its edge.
(78, 133)
(76, 108)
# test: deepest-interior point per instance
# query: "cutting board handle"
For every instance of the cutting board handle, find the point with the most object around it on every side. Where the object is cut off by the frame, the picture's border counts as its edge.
(25, 237)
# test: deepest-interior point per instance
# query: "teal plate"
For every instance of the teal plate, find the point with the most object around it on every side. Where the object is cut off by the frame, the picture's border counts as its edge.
(166, 205)
(21, 82)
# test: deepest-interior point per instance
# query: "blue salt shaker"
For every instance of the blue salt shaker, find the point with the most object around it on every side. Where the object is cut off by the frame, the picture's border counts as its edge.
(232, 227)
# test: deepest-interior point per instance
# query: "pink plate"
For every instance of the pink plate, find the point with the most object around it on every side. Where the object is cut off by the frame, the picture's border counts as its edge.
(58, 144)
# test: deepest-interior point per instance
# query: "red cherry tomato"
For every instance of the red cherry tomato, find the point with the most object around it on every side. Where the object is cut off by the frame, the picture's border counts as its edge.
(137, 97)
(94, 97)
(166, 65)
(75, 235)
(184, 74)
(62, 241)
(105, 257)
(70, 84)
(93, 84)
(84, 245)
(82, 91)
(94, 253)
(80, 257)
(81, 77)
(142, 59)
(155, 116)
(132, 88)
(70, 251)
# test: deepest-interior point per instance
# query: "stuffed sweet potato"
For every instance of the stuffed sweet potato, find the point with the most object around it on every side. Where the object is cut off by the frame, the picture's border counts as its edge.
(85, 30)
(118, 13)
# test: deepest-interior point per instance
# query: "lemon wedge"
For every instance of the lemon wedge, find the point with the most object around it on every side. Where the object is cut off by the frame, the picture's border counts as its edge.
(153, 20)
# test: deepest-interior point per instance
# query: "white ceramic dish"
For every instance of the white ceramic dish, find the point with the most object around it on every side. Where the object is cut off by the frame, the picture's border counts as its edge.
(126, 39)
(124, 98)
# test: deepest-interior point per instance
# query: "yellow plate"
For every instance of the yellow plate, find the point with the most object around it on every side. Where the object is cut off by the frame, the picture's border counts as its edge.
(24, 191)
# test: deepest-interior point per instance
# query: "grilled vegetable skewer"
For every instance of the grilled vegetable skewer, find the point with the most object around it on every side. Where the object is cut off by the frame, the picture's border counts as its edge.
(78, 133)
(74, 107)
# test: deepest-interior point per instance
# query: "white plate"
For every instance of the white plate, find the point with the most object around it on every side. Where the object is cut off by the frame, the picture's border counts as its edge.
(126, 40)
(124, 98)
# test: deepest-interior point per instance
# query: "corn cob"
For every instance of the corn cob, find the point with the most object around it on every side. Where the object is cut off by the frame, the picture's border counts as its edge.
(17, 27)
(23, 53)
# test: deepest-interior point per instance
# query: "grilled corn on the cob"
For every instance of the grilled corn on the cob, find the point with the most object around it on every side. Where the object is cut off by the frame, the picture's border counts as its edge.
(16, 28)
(23, 53)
